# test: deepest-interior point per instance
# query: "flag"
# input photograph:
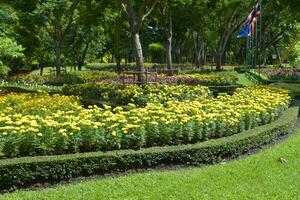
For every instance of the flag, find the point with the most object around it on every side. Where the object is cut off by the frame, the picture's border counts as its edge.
(244, 32)
(249, 24)
(254, 13)
(252, 27)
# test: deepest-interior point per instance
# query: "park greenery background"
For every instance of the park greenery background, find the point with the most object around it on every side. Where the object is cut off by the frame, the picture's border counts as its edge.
(36, 34)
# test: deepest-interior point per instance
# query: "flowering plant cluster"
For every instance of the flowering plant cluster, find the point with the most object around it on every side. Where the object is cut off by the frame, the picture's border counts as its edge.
(35, 124)
(188, 79)
(284, 74)
(139, 95)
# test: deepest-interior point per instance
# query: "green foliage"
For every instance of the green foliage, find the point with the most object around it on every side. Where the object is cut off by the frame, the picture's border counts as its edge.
(3, 69)
(255, 79)
(22, 172)
(9, 48)
(63, 79)
(8, 20)
(156, 51)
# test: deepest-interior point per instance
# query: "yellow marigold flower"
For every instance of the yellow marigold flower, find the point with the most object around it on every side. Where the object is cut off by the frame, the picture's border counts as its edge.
(114, 133)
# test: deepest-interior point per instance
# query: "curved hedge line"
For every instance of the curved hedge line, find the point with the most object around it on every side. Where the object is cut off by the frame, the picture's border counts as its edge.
(255, 79)
(22, 172)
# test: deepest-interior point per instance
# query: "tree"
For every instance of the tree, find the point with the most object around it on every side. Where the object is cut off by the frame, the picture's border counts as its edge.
(84, 33)
(278, 31)
(9, 49)
(224, 26)
(136, 12)
(167, 21)
(57, 17)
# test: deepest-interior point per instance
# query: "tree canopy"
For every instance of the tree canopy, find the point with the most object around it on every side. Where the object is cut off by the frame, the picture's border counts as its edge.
(72, 32)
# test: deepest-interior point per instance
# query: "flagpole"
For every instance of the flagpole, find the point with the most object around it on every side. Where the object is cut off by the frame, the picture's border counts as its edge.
(256, 46)
(260, 33)
(247, 52)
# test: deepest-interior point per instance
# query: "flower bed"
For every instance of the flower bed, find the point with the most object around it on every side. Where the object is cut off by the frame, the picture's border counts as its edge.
(212, 79)
(188, 79)
(118, 94)
(46, 125)
(279, 74)
(23, 172)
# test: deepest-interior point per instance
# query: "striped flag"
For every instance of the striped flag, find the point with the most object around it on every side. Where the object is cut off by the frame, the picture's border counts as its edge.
(249, 24)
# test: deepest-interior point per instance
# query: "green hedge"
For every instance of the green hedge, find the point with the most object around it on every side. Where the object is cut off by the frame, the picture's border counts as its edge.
(224, 89)
(22, 172)
(257, 80)
(29, 89)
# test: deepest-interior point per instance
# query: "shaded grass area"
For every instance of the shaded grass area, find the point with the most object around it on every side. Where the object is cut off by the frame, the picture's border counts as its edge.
(271, 174)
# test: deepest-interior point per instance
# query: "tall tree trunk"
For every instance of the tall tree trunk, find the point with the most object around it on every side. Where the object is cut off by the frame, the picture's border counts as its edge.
(58, 58)
(218, 60)
(136, 20)
(41, 69)
(118, 60)
(139, 58)
(278, 55)
(169, 34)
(82, 57)
(203, 55)
(117, 41)
(169, 55)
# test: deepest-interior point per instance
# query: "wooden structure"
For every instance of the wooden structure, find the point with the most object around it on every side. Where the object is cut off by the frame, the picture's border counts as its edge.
(135, 75)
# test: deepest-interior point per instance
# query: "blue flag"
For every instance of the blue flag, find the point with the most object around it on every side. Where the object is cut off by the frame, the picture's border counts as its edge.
(244, 32)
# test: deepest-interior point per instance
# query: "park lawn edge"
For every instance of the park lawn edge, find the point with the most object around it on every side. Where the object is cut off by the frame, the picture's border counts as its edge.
(24, 172)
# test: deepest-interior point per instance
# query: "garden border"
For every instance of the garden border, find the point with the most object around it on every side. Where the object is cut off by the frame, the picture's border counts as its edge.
(23, 172)
(256, 78)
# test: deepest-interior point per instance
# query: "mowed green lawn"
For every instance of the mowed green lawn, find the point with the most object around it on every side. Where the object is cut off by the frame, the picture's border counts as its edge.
(271, 174)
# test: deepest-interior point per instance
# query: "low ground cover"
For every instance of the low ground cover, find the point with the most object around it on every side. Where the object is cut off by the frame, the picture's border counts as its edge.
(43, 124)
(278, 74)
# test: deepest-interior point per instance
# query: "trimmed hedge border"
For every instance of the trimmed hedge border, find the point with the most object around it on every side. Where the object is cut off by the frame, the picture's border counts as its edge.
(255, 79)
(23, 172)
(22, 89)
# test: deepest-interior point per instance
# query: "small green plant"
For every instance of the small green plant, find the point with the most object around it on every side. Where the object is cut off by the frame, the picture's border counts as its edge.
(156, 51)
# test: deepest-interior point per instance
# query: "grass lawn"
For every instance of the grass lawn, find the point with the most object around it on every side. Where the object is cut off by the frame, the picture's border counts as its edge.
(271, 174)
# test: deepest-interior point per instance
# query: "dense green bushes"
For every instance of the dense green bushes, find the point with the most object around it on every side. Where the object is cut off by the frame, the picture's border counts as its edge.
(22, 172)
(68, 79)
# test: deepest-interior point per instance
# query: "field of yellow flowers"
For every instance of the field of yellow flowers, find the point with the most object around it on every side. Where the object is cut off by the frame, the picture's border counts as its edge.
(43, 124)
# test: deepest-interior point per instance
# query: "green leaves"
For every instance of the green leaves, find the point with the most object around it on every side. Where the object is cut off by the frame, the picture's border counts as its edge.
(10, 48)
